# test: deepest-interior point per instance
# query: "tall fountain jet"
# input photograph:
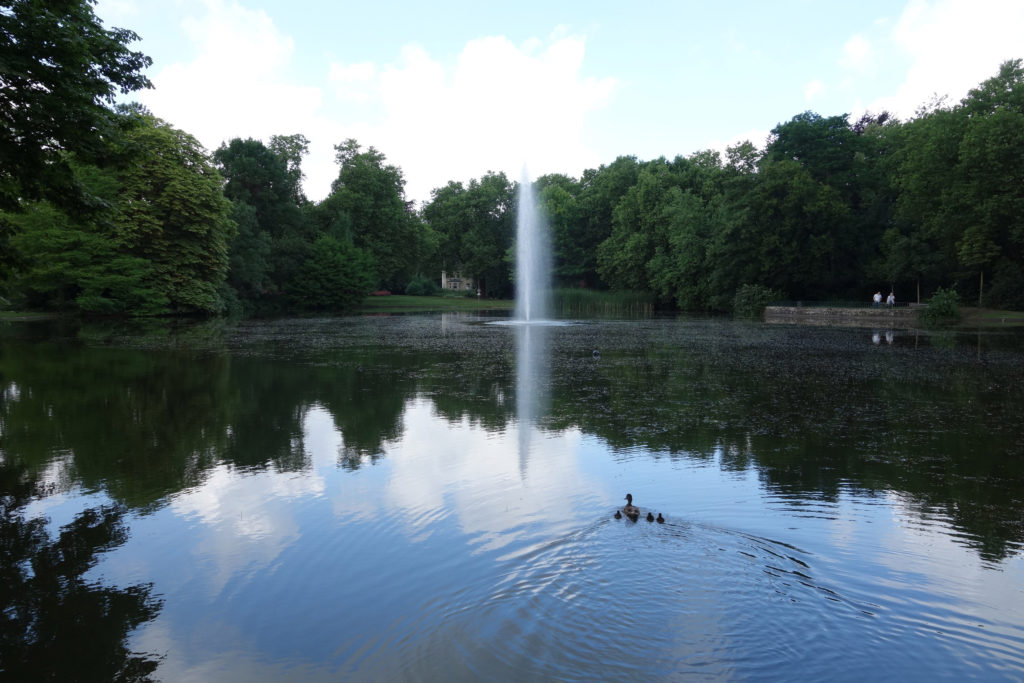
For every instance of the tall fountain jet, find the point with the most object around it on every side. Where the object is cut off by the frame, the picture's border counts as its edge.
(533, 259)
(532, 317)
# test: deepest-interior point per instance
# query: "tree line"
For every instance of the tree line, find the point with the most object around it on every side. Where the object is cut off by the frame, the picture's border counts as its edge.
(107, 209)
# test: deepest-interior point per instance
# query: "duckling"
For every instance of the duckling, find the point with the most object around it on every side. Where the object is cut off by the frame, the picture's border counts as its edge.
(618, 515)
(650, 517)
(660, 520)
(629, 509)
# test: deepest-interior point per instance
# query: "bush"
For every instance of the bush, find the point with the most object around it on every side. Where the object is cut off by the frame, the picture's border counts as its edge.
(942, 309)
(336, 277)
(750, 300)
(422, 286)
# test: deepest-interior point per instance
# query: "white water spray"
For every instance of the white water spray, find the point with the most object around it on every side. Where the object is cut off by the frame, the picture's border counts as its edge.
(533, 258)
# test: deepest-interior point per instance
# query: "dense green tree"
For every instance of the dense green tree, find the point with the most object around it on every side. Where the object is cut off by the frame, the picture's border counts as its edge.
(904, 258)
(558, 199)
(59, 71)
(69, 266)
(662, 229)
(249, 256)
(173, 213)
(474, 227)
(959, 186)
(601, 190)
(274, 232)
(637, 230)
(260, 178)
(990, 178)
(336, 277)
(924, 178)
(292, 149)
(824, 147)
(367, 206)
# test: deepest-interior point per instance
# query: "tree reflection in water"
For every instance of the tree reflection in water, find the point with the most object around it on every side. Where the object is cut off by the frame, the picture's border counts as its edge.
(56, 624)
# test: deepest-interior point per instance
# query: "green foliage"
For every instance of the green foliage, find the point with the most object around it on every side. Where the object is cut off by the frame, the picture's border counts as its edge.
(367, 207)
(942, 309)
(474, 228)
(173, 213)
(423, 286)
(336, 277)
(274, 229)
(750, 300)
(828, 205)
(71, 267)
(58, 69)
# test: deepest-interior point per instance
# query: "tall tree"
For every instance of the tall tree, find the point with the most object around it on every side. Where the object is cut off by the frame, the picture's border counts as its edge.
(173, 213)
(367, 207)
(263, 186)
(291, 149)
(59, 71)
(601, 190)
(475, 225)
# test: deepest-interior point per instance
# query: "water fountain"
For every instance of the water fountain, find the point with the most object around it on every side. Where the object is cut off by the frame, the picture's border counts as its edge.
(533, 259)
(532, 315)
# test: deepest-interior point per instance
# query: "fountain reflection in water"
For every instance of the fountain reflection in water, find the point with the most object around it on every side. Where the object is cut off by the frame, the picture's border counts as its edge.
(531, 384)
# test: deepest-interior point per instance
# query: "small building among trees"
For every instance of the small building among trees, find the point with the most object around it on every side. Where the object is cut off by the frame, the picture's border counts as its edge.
(455, 281)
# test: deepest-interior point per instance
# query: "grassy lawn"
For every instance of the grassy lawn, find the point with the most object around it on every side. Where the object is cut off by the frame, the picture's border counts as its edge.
(400, 303)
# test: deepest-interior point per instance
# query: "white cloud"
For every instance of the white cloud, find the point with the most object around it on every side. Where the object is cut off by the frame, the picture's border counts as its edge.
(495, 107)
(354, 81)
(237, 87)
(499, 106)
(813, 89)
(115, 11)
(857, 53)
(953, 45)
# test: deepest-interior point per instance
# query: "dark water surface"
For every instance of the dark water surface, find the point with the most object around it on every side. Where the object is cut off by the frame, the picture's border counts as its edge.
(431, 497)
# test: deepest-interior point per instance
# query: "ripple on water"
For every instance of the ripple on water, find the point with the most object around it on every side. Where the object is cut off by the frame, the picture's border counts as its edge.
(621, 599)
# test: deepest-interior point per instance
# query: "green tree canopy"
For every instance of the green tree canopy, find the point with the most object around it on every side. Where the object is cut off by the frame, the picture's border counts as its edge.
(475, 225)
(336, 277)
(59, 71)
(173, 213)
(367, 207)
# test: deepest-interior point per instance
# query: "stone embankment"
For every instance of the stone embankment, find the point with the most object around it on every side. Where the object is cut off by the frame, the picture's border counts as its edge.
(901, 316)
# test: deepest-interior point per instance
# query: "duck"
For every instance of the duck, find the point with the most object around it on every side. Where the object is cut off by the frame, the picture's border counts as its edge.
(650, 517)
(629, 509)
(660, 520)
(618, 515)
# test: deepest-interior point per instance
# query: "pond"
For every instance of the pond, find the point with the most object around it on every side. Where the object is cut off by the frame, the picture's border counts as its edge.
(432, 497)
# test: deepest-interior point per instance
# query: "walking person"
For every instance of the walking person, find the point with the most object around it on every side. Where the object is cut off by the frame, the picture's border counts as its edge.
(876, 299)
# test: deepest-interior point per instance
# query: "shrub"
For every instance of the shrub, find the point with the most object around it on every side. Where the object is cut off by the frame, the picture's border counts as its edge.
(422, 285)
(750, 300)
(336, 277)
(942, 309)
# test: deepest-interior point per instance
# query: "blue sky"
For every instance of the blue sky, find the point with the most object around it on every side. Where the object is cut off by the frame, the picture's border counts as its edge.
(451, 89)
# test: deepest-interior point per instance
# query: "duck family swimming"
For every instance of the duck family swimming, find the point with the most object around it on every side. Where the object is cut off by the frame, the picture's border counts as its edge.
(633, 512)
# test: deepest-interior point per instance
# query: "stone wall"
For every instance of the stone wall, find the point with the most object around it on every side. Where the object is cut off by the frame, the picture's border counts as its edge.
(902, 316)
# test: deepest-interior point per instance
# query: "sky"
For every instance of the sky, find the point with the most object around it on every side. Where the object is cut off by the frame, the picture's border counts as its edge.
(451, 89)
